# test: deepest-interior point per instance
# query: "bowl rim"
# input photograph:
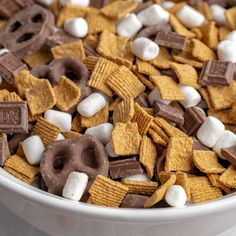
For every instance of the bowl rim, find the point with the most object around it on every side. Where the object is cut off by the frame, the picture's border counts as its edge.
(34, 195)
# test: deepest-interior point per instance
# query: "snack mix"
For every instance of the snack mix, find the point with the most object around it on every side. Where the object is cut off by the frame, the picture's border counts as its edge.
(120, 103)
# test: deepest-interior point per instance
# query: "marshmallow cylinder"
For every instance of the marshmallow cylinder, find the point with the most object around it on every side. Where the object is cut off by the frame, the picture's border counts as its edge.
(109, 150)
(45, 3)
(168, 4)
(139, 177)
(176, 196)
(210, 131)
(83, 3)
(33, 148)
(102, 132)
(231, 36)
(129, 26)
(145, 49)
(60, 137)
(190, 17)
(226, 140)
(227, 51)
(91, 105)
(59, 118)
(75, 186)
(218, 14)
(153, 15)
(191, 96)
(76, 27)
(155, 95)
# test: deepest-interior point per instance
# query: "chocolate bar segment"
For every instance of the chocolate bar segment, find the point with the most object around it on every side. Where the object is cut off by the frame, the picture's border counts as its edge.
(197, 145)
(13, 117)
(229, 154)
(217, 73)
(193, 119)
(134, 201)
(171, 40)
(125, 168)
(168, 112)
(10, 66)
(4, 151)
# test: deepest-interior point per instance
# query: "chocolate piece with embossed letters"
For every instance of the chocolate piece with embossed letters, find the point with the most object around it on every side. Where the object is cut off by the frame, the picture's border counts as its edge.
(13, 117)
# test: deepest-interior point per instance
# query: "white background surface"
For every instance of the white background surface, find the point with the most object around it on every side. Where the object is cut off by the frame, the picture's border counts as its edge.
(10, 225)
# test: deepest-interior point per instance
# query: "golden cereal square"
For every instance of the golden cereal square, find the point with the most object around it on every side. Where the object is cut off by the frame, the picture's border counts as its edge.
(67, 94)
(146, 68)
(168, 88)
(124, 83)
(210, 36)
(188, 59)
(163, 59)
(126, 139)
(228, 178)
(230, 15)
(215, 181)
(179, 155)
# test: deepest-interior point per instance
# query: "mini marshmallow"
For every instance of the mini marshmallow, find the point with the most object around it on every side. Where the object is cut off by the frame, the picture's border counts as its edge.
(60, 137)
(101, 132)
(129, 26)
(227, 51)
(153, 15)
(226, 140)
(75, 186)
(176, 196)
(45, 3)
(3, 51)
(218, 14)
(33, 148)
(168, 4)
(210, 131)
(109, 150)
(139, 177)
(91, 105)
(190, 17)
(191, 96)
(155, 95)
(231, 36)
(59, 118)
(77, 27)
(83, 3)
(145, 49)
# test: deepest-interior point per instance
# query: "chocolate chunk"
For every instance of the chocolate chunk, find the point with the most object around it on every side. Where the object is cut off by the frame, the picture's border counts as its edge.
(41, 72)
(193, 119)
(171, 40)
(217, 73)
(98, 3)
(202, 104)
(13, 117)
(231, 3)
(89, 51)
(229, 154)
(27, 30)
(197, 145)
(142, 100)
(170, 73)
(168, 112)
(10, 66)
(84, 154)
(160, 164)
(152, 31)
(58, 38)
(124, 168)
(4, 151)
(134, 201)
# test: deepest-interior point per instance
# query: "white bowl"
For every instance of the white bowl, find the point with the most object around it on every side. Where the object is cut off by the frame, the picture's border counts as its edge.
(60, 217)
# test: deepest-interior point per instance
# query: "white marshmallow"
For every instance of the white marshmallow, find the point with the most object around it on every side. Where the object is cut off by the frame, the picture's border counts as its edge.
(109, 150)
(3, 50)
(102, 132)
(226, 140)
(231, 36)
(153, 15)
(77, 27)
(91, 105)
(210, 131)
(145, 49)
(60, 137)
(168, 4)
(45, 2)
(176, 196)
(33, 148)
(75, 186)
(191, 96)
(129, 26)
(139, 177)
(227, 51)
(0, 79)
(83, 3)
(218, 14)
(59, 118)
(190, 17)
(155, 95)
